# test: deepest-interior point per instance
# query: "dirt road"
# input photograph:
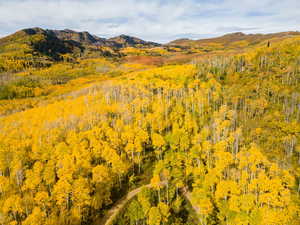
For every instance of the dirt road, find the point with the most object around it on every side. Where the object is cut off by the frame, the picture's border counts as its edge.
(111, 215)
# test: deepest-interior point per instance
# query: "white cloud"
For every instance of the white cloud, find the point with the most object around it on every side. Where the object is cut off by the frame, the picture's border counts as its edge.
(156, 20)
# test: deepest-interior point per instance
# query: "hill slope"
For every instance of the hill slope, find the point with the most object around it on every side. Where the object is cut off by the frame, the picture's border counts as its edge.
(227, 128)
(81, 37)
(36, 47)
(232, 38)
(128, 41)
(88, 39)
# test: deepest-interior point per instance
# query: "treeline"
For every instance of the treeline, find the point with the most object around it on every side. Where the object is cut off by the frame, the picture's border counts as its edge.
(36, 82)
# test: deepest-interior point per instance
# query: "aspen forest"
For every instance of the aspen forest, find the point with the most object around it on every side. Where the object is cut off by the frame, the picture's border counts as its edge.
(131, 132)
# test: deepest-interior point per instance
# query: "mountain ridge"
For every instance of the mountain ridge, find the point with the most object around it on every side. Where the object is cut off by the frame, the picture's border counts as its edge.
(123, 40)
(86, 38)
(234, 37)
(37, 47)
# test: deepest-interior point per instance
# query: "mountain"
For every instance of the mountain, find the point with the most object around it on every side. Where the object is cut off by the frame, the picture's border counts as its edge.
(128, 41)
(86, 38)
(55, 42)
(229, 39)
(34, 47)
(37, 41)
(80, 37)
(37, 47)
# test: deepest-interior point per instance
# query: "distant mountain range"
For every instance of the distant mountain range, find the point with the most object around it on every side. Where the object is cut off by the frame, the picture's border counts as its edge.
(86, 38)
(234, 37)
(40, 46)
(38, 43)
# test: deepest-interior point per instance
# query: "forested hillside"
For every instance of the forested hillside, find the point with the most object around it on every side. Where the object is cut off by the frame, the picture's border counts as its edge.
(215, 131)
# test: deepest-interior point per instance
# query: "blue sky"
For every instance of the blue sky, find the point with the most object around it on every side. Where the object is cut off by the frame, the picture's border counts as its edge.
(155, 20)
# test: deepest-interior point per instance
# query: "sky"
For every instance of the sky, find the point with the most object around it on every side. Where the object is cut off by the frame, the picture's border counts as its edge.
(152, 20)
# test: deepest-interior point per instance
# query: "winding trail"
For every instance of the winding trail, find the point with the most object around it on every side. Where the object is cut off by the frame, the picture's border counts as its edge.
(188, 196)
(111, 215)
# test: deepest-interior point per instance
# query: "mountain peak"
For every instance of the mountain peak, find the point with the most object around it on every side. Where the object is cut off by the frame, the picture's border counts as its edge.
(236, 34)
(124, 36)
(68, 31)
(81, 37)
(130, 41)
(32, 31)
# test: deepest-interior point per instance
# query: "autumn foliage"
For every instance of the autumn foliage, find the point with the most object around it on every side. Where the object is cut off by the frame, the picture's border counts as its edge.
(225, 129)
